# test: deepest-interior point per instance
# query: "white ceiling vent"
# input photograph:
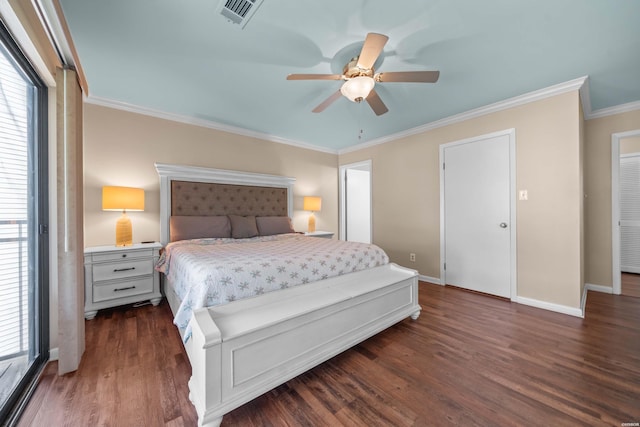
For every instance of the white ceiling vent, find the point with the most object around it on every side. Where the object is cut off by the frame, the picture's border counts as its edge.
(239, 11)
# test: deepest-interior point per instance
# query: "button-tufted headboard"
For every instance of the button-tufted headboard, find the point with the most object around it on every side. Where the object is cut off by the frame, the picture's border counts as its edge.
(198, 191)
(209, 199)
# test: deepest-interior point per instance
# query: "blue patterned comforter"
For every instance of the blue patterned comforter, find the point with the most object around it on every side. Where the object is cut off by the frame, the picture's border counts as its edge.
(207, 272)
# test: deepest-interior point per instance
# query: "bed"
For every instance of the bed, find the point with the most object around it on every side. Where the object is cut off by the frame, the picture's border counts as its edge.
(248, 342)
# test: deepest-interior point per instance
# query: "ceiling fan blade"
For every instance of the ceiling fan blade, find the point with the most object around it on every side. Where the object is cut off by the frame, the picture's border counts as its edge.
(373, 45)
(330, 100)
(409, 76)
(315, 77)
(376, 103)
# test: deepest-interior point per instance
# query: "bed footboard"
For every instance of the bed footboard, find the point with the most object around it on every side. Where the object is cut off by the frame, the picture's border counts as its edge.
(241, 350)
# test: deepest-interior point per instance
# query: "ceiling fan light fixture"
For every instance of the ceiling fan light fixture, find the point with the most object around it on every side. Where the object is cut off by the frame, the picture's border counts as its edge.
(357, 88)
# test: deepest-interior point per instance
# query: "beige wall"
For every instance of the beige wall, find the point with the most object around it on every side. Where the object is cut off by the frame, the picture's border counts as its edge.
(598, 269)
(122, 147)
(630, 145)
(406, 194)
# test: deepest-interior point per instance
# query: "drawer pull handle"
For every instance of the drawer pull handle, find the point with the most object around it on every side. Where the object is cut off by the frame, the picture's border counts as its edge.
(123, 269)
(124, 289)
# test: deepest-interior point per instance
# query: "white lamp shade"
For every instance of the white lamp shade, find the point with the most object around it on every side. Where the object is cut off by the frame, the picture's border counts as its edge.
(357, 88)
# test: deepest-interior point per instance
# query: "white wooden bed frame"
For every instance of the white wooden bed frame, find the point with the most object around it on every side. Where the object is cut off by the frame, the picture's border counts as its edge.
(243, 349)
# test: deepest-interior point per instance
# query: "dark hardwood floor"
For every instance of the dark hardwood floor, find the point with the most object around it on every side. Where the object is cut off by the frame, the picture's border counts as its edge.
(631, 284)
(468, 360)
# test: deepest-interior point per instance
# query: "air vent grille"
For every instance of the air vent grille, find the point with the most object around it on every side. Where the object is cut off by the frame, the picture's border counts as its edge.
(239, 11)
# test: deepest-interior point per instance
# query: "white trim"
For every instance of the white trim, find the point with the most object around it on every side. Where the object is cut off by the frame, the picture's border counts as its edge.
(598, 288)
(615, 214)
(169, 172)
(55, 26)
(527, 98)
(511, 133)
(585, 98)
(583, 301)
(558, 308)
(616, 109)
(428, 279)
(591, 287)
(615, 207)
(53, 354)
(342, 192)
(18, 32)
(209, 124)
(580, 84)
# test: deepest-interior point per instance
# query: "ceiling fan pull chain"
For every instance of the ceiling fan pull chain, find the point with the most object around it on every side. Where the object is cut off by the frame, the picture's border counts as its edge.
(360, 132)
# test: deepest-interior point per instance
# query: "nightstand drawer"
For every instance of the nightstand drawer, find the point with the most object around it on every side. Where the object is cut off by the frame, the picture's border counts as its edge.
(122, 289)
(119, 275)
(110, 271)
(121, 255)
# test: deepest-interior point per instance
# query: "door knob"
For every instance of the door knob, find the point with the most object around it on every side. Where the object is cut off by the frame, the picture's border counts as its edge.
(503, 225)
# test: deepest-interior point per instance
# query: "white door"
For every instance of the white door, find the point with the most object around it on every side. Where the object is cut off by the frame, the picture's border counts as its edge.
(356, 202)
(477, 191)
(630, 213)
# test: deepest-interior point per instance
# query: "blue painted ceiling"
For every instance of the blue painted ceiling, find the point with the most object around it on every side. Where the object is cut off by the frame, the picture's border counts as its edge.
(184, 58)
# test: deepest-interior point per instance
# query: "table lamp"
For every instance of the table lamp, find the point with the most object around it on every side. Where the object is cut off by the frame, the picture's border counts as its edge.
(123, 199)
(313, 204)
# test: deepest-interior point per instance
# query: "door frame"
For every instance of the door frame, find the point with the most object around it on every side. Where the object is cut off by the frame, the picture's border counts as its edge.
(615, 208)
(513, 267)
(365, 164)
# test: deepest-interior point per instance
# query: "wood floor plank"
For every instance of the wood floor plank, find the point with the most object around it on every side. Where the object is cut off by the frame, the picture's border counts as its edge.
(630, 283)
(468, 360)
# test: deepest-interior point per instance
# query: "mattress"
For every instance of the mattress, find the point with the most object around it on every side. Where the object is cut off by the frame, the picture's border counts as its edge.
(209, 272)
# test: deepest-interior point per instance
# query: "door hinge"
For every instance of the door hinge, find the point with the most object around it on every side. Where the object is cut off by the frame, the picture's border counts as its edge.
(445, 266)
(443, 168)
(43, 229)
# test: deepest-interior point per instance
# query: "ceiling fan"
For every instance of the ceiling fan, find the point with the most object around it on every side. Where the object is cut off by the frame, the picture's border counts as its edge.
(360, 77)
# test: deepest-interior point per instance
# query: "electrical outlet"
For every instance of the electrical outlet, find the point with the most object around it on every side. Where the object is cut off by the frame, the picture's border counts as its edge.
(412, 257)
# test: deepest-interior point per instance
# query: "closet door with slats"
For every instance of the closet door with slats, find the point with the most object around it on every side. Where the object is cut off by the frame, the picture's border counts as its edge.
(630, 213)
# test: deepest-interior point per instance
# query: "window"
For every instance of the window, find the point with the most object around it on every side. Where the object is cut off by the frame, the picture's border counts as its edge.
(24, 343)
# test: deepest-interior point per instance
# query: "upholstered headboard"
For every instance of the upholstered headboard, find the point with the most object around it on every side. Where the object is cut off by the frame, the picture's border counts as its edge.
(198, 191)
(209, 198)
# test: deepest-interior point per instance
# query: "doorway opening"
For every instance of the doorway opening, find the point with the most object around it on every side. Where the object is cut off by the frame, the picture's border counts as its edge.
(625, 212)
(355, 202)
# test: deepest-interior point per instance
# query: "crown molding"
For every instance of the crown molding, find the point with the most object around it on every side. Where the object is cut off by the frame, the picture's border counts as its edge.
(571, 85)
(52, 18)
(617, 109)
(202, 123)
(580, 84)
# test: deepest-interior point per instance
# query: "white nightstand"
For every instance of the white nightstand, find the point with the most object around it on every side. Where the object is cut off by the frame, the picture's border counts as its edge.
(120, 275)
(325, 234)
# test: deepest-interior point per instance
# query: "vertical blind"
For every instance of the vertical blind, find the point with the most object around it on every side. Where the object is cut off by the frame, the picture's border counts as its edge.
(14, 229)
(630, 213)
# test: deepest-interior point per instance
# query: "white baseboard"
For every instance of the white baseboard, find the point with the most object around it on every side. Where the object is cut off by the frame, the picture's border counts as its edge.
(564, 309)
(598, 288)
(53, 354)
(434, 280)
